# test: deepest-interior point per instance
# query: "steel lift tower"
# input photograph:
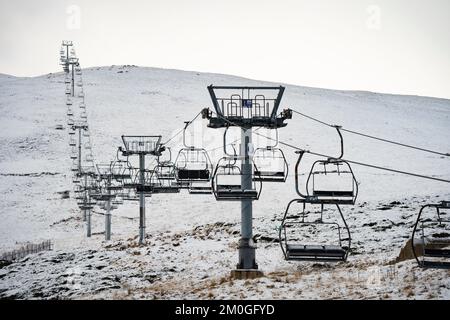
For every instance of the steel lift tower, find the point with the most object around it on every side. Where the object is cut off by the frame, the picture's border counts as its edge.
(141, 146)
(244, 107)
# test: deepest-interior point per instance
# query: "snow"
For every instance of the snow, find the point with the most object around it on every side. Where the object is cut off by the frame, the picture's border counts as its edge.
(192, 238)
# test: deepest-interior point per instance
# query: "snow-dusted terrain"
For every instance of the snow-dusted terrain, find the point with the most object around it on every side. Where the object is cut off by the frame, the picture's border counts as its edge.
(192, 239)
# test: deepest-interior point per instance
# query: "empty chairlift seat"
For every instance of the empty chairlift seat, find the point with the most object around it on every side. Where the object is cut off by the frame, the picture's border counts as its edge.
(332, 181)
(324, 253)
(270, 165)
(193, 164)
(227, 183)
(431, 248)
(298, 230)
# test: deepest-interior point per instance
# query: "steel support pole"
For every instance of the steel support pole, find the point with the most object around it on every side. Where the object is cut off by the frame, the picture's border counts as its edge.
(141, 199)
(246, 245)
(85, 199)
(73, 81)
(67, 57)
(79, 151)
(88, 211)
(108, 213)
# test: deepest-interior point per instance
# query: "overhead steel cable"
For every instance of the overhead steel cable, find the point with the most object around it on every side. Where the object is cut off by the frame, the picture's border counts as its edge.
(181, 130)
(349, 161)
(372, 137)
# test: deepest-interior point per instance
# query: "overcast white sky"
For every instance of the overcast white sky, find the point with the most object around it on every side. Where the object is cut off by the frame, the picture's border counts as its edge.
(394, 46)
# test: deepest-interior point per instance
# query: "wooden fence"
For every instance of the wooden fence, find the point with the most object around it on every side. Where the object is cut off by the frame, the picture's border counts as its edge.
(26, 250)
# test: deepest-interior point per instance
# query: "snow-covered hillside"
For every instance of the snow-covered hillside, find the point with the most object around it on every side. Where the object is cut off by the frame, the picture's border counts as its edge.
(193, 239)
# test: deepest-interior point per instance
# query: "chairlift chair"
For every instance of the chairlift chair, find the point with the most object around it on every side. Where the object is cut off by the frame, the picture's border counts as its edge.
(71, 122)
(74, 167)
(270, 164)
(72, 142)
(75, 179)
(193, 167)
(82, 105)
(432, 248)
(165, 170)
(81, 94)
(308, 247)
(67, 80)
(162, 180)
(332, 181)
(68, 91)
(329, 181)
(88, 146)
(69, 112)
(69, 102)
(227, 182)
(83, 115)
(130, 183)
(89, 157)
(320, 191)
(120, 170)
(79, 83)
(117, 202)
(193, 164)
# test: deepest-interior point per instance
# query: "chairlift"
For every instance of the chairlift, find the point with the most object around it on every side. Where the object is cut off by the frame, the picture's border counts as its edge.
(68, 91)
(302, 239)
(161, 179)
(227, 182)
(193, 164)
(81, 94)
(72, 142)
(432, 248)
(68, 102)
(120, 169)
(131, 181)
(165, 170)
(89, 157)
(117, 202)
(67, 80)
(75, 179)
(69, 112)
(71, 122)
(330, 182)
(270, 164)
(74, 167)
(88, 146)
(82, 105)
(83, 115)
(160, 183)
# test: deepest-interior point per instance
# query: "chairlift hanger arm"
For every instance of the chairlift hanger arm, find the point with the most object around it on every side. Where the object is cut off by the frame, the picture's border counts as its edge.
(297, 165)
